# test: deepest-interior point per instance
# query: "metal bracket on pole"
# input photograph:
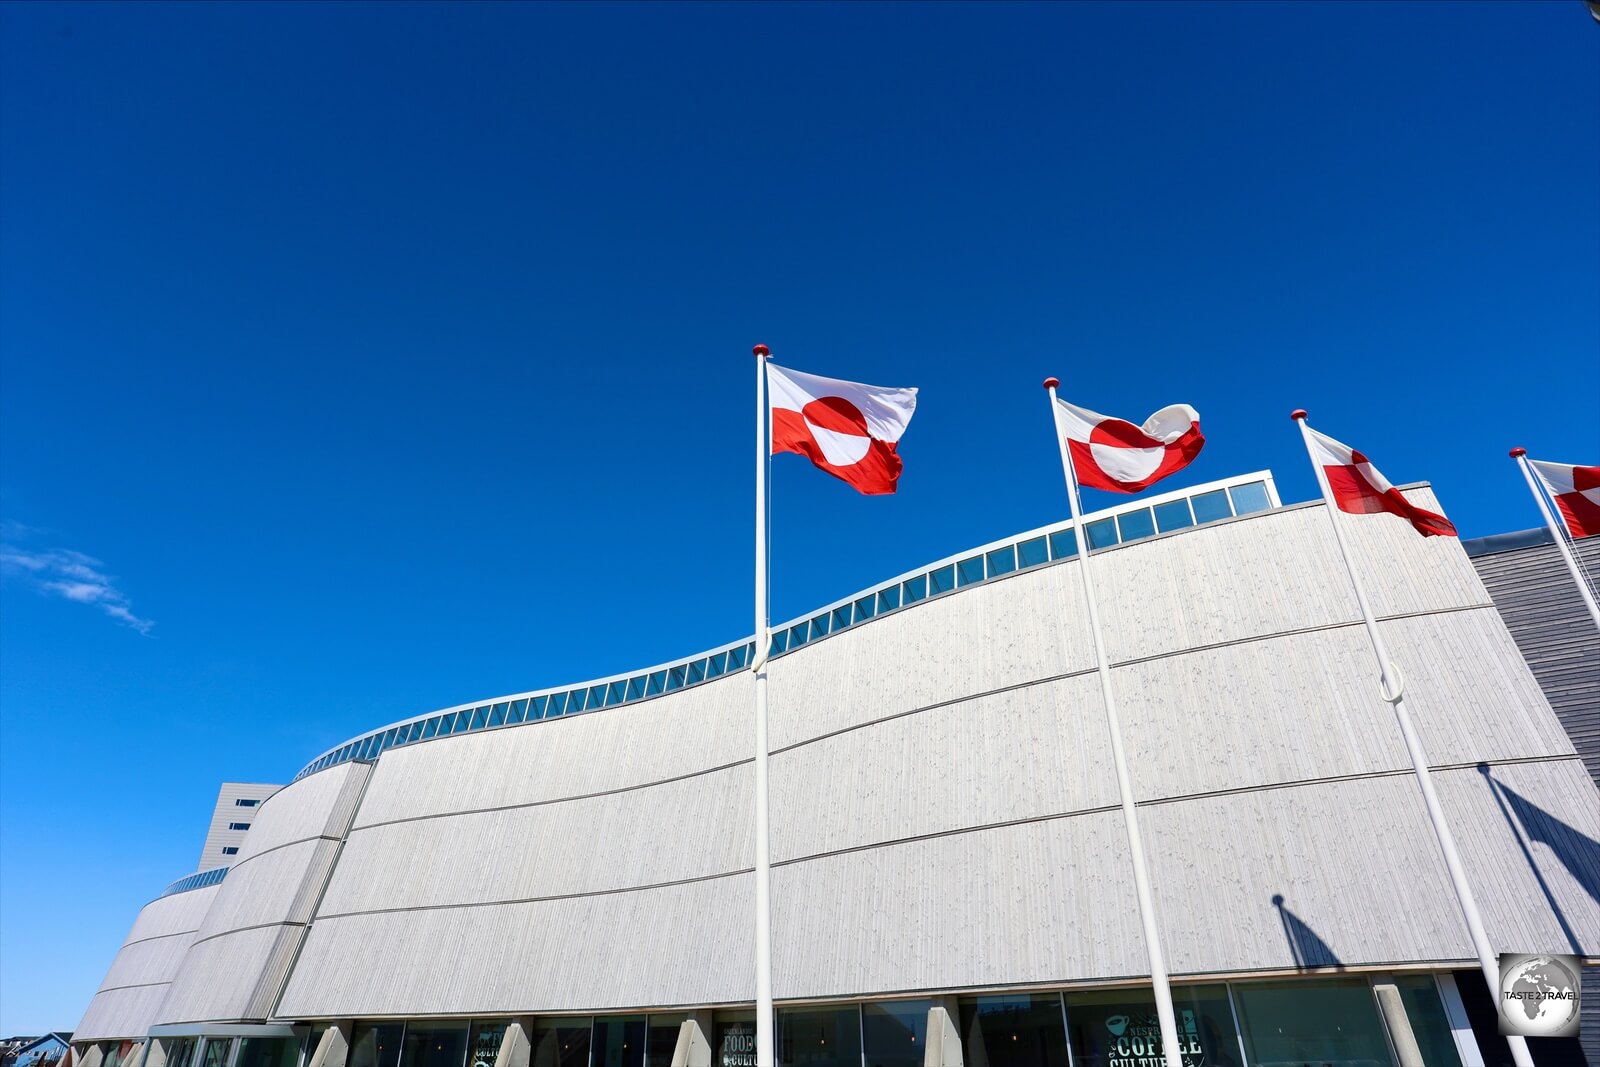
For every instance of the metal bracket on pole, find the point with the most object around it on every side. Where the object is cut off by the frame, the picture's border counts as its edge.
(1395, 694)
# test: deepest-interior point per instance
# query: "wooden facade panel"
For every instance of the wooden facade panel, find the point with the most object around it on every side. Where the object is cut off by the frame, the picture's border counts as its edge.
(691, 828)
(677, 945)
(679, 734)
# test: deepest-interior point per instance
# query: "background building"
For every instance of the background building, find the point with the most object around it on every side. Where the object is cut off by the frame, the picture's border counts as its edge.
(230, 821)
(562, 878)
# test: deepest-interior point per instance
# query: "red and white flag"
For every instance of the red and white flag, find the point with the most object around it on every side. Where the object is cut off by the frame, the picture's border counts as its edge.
(848, 429)
(1576, 491)
(1360, 489)
(1117, 455)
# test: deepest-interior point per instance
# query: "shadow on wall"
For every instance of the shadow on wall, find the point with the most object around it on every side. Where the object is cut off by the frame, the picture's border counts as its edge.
(1308, 949)
(1578, 852)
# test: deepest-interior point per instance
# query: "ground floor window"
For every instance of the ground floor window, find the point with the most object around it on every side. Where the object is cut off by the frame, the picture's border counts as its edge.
(561, 1042)
(1329, 1021)
(1014, 1031)
(484, 1045)
(662, 1040)
(734, 1037)
(433, 1044)
(371, 1045)
(823, 1036)
(1119, 1027)
(268, 1052)
(894, 1033)
(618, 1041)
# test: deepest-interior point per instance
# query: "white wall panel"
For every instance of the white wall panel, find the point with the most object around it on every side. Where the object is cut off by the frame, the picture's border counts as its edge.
(671, 736)
(318, 805)
(171, 915)
(1307, 706)
(147, 962)
(138, 977)
(117, 1014)
(1359, 868)
(1270, 574)
(1535, 830)
(1022, 753)
(1035, 902)
(275, 887)
(231, 977)
(986, 637)
(684, 829)
(684, 944)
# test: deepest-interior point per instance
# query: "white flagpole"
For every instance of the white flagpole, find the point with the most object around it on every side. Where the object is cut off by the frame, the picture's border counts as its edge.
(1521, 456)
(1130, 818)
(1394, 692)
(758, 665)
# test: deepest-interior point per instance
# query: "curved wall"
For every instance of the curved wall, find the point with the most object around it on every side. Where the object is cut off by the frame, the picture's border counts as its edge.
(131, 993)
(235, 966)
(944, 813)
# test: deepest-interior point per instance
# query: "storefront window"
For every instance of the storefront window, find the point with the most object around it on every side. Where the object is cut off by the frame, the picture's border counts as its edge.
(618, 1041)
(1119, 1027)
(895, 1032)
(1429, 1024)
(662, 1040)
(180, 1050)
(1019, 1031)
(433, 1044)
(370, 1046)
(268, 1052)
(217, 1051)
(1333, 1022)
(561, 1042)
(735, 1039)
(819, 1037)
(483, 1047)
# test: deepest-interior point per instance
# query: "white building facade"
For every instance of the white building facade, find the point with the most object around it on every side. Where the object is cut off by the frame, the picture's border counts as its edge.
(564, 877)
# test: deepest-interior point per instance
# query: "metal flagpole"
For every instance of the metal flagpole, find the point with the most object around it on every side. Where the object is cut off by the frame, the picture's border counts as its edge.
(758, 665)
(1394, 692)
(1521, 456)
(1141, 878)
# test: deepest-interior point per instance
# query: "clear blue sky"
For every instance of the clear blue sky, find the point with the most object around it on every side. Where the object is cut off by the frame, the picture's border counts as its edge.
(361, 360)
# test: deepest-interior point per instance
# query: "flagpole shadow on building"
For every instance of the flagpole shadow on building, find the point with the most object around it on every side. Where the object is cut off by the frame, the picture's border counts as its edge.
(1308, 949)
(1578, 853)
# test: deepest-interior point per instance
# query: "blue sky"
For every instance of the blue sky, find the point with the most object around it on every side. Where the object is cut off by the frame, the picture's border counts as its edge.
(361, 360)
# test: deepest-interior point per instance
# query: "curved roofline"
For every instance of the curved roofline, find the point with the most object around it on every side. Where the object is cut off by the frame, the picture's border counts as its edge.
(375, 739)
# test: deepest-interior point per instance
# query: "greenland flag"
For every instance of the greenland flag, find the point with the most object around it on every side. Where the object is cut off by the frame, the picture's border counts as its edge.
(1113, 454)
(1576, 491)
(848, 429)
(1359, 489)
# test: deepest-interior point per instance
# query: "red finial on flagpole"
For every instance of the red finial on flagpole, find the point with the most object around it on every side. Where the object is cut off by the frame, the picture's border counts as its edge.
(761, 351)
(1297, 414)
(1052, 383)
(1518, 453)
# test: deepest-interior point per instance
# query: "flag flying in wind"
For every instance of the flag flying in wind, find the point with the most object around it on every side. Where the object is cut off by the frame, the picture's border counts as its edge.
(848, 429)
(1576, 491)
(1117, 455)
(1359, 489)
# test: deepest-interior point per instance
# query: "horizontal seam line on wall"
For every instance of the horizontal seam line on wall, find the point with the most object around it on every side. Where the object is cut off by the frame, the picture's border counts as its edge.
(917, 838)
(556, 800)
(980, 695)
(275, 848)
(1275, 635)
(158, 937)
(1054, 816)
(536, 900)
(246, 929)
(130, 985)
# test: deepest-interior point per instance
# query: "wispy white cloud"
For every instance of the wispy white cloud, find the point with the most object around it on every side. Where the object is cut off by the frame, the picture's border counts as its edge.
(72, 576)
